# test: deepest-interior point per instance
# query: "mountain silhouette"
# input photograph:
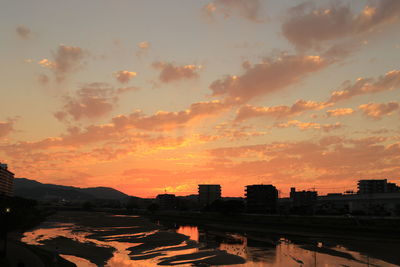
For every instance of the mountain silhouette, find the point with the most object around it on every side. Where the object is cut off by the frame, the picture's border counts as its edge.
(35, 190)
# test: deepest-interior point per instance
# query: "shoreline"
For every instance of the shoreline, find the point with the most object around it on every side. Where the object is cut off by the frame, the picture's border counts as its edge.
(374, 229)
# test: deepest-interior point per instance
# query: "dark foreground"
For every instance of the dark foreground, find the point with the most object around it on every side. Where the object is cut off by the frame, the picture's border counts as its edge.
(101, 239)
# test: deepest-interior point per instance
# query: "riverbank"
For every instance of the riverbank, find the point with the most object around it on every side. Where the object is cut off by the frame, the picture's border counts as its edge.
(18, 215)
(344, 227)
(21, 254)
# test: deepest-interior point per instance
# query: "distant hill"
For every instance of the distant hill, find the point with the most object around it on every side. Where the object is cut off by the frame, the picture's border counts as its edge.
(35, 190)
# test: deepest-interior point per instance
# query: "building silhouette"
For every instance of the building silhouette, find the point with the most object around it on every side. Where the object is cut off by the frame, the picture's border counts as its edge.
(376, 186)
(208, 193)
(303, 202)
(261, 198)
(6, 181)
(167, 201)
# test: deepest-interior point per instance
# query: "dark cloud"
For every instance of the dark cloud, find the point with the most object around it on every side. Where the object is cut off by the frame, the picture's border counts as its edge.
(308, 27)
(23, 32)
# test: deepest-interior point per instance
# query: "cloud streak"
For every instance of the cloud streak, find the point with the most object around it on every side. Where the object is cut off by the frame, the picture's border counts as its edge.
(166, 120)
(268, 76)
(387, 82)
(309, 125)
(171, 73)
(247, 9)
(339, 112)
(279, 112)
(378, 110)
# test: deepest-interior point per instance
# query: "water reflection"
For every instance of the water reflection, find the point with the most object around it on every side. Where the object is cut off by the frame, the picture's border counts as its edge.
(127, 241)
(191, 231)
(272, 251)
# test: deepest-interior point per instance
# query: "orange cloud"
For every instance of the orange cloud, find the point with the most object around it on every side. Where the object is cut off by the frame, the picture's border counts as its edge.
(122, 124)
(92, 101)
(23, 32)
(6, 127)
(143, 47)
(124, 76)
(269, 76)
(66, 59)
(309, 125)
(170, 73)
(279, 112)
(377, 110)
(307, 26)
(165, 120)
(389, 81)
(248, 9)
(117, 136)
(234, 133)
(340, 112)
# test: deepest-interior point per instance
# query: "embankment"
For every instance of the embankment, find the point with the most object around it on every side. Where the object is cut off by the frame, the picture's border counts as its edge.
(346, 227)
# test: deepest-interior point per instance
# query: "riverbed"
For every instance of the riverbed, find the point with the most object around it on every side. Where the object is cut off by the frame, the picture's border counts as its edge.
(102, 239)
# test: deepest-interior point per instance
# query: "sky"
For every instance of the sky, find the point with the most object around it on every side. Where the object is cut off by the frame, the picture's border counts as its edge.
(153, 96)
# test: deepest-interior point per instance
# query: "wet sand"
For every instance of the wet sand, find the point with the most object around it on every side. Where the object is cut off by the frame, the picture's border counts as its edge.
(98, 237)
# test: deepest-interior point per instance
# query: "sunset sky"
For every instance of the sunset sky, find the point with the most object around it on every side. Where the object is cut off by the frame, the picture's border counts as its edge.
(147, 96)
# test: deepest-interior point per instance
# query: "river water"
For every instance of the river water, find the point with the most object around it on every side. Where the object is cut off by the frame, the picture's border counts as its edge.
(93, 239)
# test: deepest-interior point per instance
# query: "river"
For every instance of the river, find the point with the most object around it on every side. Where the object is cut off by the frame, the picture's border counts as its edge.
(100, 239)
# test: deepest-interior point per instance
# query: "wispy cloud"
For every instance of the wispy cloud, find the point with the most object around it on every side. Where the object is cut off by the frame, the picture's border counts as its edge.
(338, 112)
(170, 72)
(66, 59)
(247, 9)
(279, 112)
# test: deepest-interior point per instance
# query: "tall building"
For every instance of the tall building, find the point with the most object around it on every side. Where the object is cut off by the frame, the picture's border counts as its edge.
(6, 181)
(303, 201)
(376, 186)
(303, 198)
(208, 193)
(261, 198)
